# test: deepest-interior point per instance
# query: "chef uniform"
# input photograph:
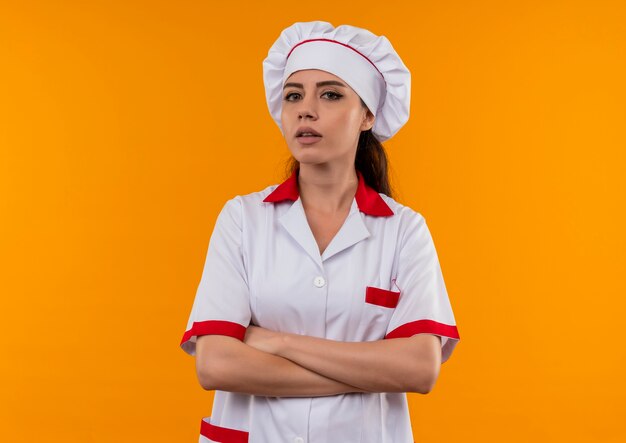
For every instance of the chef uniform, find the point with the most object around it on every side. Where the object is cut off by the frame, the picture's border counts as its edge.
(379, 278)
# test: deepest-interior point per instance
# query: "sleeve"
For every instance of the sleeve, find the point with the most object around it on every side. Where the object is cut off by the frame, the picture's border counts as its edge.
(222, 302)
(424, 306)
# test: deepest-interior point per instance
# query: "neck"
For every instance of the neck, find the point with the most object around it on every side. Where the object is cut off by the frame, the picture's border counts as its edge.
(327, 190)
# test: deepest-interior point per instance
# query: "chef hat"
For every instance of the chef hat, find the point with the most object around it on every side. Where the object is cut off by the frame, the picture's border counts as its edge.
(366, 62)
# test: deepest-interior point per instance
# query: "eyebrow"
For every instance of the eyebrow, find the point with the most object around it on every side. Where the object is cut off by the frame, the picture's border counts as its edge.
(318, 84)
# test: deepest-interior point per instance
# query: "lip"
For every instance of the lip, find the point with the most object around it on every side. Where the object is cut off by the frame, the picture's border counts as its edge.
(307, 129)
(308, 140)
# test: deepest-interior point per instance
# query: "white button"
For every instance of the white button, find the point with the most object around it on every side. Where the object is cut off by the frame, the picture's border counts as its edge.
(319, 282)
(298, 440)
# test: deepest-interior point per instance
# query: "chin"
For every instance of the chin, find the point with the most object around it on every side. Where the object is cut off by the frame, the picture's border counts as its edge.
(304, 152)
(304, 159)
(308, 159)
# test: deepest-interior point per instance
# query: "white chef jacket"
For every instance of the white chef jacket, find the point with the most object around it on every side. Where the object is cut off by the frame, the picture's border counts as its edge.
(379, 278)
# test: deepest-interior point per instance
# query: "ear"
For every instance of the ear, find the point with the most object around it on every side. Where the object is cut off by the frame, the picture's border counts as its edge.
(368, 120)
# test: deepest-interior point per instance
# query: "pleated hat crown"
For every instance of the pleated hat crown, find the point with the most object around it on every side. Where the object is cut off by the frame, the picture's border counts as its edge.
(366, 62)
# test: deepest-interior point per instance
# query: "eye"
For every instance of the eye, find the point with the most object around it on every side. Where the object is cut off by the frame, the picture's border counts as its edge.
(333, 95)
(289, 95)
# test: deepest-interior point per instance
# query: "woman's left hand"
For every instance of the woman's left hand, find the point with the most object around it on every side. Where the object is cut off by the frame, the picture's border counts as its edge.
(263, 339)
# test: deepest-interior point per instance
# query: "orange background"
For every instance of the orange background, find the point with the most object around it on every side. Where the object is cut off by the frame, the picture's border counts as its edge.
(125, 126)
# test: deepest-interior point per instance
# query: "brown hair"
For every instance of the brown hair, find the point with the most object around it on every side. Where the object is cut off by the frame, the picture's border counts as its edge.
(371, 160)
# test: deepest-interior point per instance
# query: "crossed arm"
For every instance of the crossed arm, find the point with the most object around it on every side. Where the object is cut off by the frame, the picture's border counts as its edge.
(280, 364)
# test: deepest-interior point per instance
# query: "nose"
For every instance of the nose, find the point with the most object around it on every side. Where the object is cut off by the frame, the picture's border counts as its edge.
(304, 114)
(307, 107)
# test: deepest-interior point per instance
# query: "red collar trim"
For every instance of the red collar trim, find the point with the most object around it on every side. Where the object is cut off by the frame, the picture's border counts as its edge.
(367, 199)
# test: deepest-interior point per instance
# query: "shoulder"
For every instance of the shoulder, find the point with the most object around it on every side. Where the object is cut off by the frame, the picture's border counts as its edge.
(250, 200)
(410, 226)
(246, 206)
(404, 215)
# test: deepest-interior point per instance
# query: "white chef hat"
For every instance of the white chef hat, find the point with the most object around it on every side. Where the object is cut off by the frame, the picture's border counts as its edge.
(366, 62)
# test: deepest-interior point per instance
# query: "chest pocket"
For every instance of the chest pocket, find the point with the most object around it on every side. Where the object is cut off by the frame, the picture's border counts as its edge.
(377, 307)
(381, 297)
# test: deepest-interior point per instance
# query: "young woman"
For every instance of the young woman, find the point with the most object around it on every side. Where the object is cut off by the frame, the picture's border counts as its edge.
(322, 300)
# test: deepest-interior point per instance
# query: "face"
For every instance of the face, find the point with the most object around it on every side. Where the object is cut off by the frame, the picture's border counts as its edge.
(326, 104)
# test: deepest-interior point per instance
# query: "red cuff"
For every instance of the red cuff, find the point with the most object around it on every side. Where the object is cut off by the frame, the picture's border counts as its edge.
(424, 326)
(218, 433)
(215, 327)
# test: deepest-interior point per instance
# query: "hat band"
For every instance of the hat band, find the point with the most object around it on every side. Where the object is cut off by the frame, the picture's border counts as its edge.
(339, 43)
(344, 62)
